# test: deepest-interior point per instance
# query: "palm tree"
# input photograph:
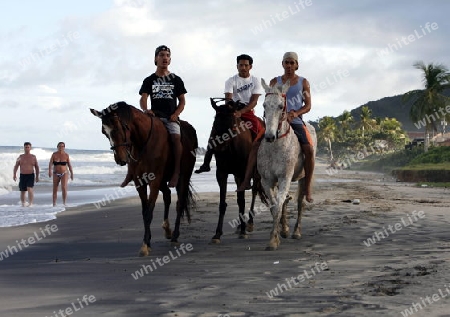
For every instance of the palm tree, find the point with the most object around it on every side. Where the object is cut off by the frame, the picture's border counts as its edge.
(345, 120)
(366, 120)
(327, 132)
(436, 79)
(390, 129)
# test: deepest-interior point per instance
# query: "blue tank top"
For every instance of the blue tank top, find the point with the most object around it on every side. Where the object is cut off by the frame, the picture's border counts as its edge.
(294, 98)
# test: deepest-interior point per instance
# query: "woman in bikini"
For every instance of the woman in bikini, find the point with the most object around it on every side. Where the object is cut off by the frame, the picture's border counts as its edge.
(60, 171)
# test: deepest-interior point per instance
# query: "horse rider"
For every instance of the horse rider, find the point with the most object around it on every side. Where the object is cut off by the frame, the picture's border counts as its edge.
(246, 89)
(298, 102)
(166, 91)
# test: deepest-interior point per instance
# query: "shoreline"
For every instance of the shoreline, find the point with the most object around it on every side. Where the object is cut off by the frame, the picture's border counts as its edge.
(329, 271)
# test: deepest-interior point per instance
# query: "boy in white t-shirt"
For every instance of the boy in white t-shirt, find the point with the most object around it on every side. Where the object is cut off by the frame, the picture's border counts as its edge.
(245, 88)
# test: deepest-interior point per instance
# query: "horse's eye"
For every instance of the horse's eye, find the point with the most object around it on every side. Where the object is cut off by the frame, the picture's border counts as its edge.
(281, 107)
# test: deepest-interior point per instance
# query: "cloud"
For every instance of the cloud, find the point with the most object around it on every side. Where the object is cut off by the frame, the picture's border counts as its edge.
(50, 77)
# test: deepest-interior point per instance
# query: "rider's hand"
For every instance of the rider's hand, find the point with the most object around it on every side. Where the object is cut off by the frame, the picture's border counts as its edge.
(149, 112)
(291, 115)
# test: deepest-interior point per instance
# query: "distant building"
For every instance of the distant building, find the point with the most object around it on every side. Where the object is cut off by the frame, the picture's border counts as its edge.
(441, 139)
(415, 135)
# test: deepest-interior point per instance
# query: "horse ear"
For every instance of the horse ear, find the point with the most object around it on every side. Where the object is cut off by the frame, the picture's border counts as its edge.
(96, 113)
(265, 86)
(285, 87)
(213, 103)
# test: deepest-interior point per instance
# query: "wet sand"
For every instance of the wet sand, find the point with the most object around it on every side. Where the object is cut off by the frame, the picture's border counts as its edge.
(330, 271)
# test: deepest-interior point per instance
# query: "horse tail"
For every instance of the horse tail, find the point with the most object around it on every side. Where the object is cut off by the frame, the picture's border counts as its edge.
(190, 145)
(190, 203)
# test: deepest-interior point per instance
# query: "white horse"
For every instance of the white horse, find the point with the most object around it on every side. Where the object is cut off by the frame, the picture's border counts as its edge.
(280, 161)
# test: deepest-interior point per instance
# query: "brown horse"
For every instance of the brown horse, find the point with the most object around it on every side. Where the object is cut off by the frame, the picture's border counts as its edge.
(144, 143)
(232, 141)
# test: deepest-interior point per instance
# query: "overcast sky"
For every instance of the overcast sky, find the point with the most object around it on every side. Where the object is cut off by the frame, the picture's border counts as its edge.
(59, 58)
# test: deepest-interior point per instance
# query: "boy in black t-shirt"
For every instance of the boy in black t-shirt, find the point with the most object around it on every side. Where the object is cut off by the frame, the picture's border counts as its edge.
(166, 91)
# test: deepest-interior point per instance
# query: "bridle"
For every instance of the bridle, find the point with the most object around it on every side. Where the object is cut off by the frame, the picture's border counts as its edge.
(229, 113)
(283, 116)
(128, 144)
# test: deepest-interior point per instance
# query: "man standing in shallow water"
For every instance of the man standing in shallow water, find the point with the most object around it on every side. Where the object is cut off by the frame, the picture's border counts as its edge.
(28, 166)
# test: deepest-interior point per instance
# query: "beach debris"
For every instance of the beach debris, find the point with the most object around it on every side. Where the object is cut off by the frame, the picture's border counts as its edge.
(276, 262)
(356, 201)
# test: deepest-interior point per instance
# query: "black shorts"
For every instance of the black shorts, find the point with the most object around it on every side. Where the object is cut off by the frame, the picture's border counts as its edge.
(25, 181)
(302, 133)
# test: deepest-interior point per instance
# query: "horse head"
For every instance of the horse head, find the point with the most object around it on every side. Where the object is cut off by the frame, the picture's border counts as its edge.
(224, 122)
(115, 126)
(274, 109)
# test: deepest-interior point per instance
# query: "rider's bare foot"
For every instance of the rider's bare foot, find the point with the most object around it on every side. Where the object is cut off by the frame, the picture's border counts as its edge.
(174, 181)
(309, 197)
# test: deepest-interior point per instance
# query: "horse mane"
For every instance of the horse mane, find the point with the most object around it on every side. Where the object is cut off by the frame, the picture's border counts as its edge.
(121, 108)
(228, 109)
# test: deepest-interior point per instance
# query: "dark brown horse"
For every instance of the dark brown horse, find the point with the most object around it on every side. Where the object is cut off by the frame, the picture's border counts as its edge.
(232, 141)
(144, 143)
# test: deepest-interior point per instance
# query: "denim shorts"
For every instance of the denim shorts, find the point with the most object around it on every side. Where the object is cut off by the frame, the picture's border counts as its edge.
(172, 127)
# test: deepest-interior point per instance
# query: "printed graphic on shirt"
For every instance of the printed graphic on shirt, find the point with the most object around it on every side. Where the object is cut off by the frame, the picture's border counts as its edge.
(245, 87)
(162, 90)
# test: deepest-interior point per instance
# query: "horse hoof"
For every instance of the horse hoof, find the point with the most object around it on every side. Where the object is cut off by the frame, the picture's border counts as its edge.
(174, 243)
(243, 236)
(296, 236)
(215, 241)
(167, 231)
(144, 251)
(271, 248)
(238, 230)
(284, 234)
(249, 227)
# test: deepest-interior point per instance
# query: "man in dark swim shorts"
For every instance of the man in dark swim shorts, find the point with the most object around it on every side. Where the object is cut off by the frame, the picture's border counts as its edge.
(28, 167)
(25, 181)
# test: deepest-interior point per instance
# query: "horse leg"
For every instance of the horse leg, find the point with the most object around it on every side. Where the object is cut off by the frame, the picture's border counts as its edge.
(251, 212)
(147, 216)
(241, 205)
(167, 197)
(182, 192)
(297, 234)
(284, 219)
(256, 186)
(269, 188)
(222, 181)
(276, 210)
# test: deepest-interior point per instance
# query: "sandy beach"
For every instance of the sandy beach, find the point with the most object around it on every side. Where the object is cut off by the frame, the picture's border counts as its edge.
(86, 261)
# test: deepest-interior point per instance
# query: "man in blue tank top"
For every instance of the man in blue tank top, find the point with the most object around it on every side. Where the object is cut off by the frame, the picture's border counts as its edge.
(298, 102)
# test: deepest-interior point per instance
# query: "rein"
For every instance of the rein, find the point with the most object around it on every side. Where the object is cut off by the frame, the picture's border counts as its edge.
(283, 117)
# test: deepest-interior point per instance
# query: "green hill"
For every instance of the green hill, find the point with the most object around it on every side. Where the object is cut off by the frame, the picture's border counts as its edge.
(392, 107)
